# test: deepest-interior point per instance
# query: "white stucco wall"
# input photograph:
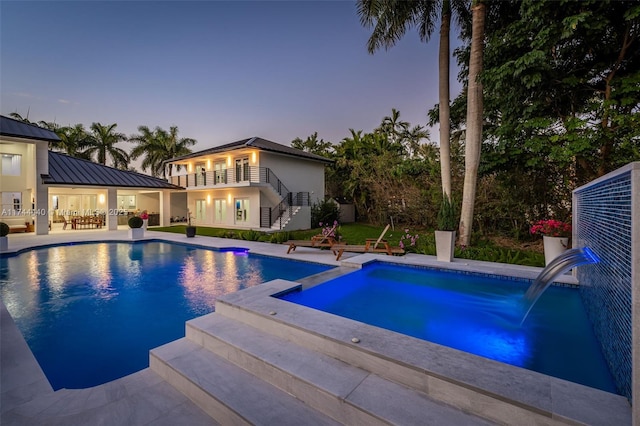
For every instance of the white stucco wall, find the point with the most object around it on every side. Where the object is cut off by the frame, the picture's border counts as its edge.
(297, 174)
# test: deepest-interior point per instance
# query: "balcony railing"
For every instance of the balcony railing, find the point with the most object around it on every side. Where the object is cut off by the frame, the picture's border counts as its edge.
(232, 176)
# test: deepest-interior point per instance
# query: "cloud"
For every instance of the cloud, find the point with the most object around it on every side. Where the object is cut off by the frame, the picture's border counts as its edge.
(64, 101)
(25, 95)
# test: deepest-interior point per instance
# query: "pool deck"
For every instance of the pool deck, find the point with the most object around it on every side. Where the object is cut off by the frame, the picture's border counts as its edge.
(145, 398)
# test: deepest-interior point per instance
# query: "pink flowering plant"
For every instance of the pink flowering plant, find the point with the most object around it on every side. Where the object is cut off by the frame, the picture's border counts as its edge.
(551, 228)
(408, 242)
(332, 231)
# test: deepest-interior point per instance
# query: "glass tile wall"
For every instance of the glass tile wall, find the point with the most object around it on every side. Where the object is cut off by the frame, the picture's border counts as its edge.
(603, 218)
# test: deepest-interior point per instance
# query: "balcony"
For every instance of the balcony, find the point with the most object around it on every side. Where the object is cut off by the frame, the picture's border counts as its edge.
(232, 177)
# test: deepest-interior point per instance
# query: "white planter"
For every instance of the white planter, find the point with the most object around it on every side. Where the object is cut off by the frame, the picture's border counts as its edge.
(445, 243)
(136, 233)
(145, 222)
(4, 243)
(554, 247)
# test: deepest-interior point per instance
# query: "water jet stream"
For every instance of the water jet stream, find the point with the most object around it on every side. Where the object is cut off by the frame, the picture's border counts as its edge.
(561, 264)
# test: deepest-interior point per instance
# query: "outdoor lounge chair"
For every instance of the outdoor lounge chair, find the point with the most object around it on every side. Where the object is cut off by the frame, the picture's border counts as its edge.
(372, 245)
(319, 241)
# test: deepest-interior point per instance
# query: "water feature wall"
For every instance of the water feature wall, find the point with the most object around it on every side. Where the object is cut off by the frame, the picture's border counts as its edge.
(606, 218)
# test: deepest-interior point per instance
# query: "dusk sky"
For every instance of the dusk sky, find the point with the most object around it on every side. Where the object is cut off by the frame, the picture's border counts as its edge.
(220, 71)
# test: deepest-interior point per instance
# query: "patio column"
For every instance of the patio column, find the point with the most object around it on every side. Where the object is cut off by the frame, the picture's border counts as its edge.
(41, 196)
(165, 208)
(112, 209)
(41, 212)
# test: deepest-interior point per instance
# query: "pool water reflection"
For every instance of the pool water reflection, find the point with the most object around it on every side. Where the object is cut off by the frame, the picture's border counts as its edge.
(91, 312)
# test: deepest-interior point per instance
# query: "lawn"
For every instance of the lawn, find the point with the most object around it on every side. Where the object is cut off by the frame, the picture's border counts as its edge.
(493, 250)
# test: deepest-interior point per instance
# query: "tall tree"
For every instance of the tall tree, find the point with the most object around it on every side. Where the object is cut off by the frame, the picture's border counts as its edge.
(17, 116)
(473, 141)
(72, 139)
(413, 137)
(390, 19)
(157, 146)
(102, 141)
(565, 84)
(313, 145)
(393, 127)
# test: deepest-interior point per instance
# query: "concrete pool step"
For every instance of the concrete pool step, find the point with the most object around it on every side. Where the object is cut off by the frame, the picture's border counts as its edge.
(346, 393)
(488, 389)
(227, 393)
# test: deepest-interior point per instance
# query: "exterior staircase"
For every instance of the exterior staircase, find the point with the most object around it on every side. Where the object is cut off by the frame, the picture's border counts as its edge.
(243, 367)
(287, 215)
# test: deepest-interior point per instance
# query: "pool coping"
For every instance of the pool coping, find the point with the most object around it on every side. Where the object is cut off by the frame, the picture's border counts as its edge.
(349, 263)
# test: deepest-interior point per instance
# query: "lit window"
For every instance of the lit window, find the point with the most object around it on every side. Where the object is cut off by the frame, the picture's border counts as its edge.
(10, 165)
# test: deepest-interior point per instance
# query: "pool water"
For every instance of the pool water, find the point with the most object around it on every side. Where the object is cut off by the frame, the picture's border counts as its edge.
(473, 313)
(91, 312)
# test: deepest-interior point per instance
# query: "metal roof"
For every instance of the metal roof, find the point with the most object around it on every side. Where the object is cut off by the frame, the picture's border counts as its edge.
(20, 129)
(66, 170)
(259, 143)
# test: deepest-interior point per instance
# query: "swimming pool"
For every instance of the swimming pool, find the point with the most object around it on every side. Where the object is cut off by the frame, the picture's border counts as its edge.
(91, 312)
(470, 312)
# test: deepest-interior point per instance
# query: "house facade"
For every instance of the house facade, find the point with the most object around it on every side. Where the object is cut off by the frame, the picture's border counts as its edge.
(41, 190)
(250, 184)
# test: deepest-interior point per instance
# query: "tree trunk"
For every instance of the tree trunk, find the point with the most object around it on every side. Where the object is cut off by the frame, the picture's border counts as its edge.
(473, 140)
(443, 84)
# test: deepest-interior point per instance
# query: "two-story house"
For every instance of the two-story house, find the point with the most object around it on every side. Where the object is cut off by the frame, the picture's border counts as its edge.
(41, 189)
(250, 184)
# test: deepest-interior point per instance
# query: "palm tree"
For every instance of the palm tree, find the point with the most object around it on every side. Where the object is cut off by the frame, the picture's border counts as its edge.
(72, 139)
(473, 142)
(17, 116)
(313, 145)
(413, 136)
(393, 126)
(102, 142)
(390, 20)
(157, 146)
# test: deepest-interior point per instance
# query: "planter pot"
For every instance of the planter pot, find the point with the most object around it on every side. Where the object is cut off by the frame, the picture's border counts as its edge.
(145, 222)
(4, 243)
(554, 247)
(191, 231)
(445, 243)
(136, 233)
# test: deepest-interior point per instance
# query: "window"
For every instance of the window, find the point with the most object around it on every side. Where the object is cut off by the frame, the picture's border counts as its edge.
(220, 207)
(126, 202)
(11, 203)
(220, 172)
(242, 169)
(242, 210)
(201, 210)
(10, 165)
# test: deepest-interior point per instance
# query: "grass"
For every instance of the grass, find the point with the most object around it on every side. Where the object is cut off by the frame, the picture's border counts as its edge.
(357, 233)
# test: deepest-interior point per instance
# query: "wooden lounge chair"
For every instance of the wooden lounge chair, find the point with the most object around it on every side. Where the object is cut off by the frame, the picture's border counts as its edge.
(319, 241)
(372, 245)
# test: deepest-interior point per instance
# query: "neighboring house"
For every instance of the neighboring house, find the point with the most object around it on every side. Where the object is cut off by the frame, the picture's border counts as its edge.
(249, 184)
(40, 187)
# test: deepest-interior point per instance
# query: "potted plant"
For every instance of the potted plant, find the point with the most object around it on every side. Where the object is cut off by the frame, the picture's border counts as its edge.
(555, 237)
(447, 223)
(145, 219)
(190, 229)
(135, 228)
(4, 240)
